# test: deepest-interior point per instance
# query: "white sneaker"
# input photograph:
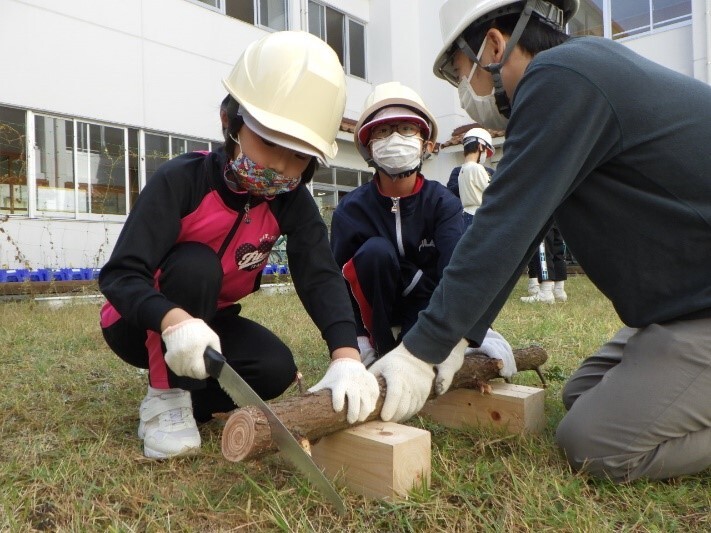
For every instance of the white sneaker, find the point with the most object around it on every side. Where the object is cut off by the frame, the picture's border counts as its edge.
(533, 286)
(560, 295)
(559, 291)
(538, 297)
(167, 426)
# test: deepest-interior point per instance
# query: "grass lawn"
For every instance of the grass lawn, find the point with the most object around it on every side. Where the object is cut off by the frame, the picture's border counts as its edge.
(71, 461)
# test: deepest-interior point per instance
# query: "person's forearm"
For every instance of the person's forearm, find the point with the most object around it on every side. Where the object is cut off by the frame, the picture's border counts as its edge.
(345, 353)
(174, 317)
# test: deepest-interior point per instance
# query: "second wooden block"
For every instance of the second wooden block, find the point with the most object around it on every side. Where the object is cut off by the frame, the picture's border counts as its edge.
(512, 408)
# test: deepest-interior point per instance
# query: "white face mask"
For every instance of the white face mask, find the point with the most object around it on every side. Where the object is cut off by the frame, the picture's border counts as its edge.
(483, 109)
(396, 153)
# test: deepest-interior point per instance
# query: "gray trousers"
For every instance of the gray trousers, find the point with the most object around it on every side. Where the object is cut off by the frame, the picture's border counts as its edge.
(640, 407)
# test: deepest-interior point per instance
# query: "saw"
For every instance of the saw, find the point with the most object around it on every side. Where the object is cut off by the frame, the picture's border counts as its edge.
(243, 395)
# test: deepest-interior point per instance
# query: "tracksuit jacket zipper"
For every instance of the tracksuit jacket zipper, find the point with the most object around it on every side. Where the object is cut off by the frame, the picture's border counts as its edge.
(400, 247)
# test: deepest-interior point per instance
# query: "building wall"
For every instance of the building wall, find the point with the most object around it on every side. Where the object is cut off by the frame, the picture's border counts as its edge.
(672, 48)
(157, 64)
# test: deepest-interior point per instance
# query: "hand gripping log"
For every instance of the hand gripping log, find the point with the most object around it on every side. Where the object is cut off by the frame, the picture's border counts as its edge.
(310, 416)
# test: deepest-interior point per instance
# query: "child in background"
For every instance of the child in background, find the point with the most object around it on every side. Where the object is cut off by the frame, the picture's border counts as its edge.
(394, 235)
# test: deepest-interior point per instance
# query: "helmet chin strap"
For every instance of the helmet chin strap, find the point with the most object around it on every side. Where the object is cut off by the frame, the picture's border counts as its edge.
(401, 175)
(553, 16)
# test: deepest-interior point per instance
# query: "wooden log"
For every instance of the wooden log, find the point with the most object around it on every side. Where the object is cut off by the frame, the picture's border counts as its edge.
(247, 434)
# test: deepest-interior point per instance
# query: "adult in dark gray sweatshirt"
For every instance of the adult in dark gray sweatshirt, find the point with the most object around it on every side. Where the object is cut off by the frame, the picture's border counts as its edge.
(613, 148)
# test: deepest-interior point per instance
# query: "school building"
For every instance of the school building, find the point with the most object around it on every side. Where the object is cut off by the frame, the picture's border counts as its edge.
(96, 94)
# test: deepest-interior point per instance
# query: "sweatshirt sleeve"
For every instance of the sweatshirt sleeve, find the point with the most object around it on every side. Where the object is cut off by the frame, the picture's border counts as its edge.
(561, 127)
(453, 182)
(150, 230)
(316, 276)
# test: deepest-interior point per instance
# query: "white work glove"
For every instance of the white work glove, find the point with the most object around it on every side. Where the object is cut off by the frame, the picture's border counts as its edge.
(495, 346)
(348, 378)
(409, 382)
(450, 366)
(185, 345)
(367, 352)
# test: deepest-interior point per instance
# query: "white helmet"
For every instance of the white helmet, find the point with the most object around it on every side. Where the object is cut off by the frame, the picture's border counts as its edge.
(391, 94)
(292, 83)
(455, 16)
(481, 136)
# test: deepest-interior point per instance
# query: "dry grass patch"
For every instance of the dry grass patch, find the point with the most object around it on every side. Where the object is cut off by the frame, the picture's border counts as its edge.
(72, 461)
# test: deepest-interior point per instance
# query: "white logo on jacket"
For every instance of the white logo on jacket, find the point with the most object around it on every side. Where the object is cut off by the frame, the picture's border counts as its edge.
(426, 244)
(251, 258)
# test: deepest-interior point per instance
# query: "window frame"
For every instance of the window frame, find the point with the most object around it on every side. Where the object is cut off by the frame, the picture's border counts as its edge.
(31, 175)
(19, 162)
(221, 7)
(347, 19)
(652, 27)
(334, 187)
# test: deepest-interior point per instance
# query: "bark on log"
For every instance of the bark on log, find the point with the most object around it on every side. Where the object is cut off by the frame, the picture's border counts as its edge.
(310, 416)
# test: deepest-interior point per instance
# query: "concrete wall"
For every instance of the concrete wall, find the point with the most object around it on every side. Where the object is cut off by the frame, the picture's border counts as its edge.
(672, 48)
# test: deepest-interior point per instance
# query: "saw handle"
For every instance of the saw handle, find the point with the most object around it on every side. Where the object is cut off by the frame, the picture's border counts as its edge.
(214, 361)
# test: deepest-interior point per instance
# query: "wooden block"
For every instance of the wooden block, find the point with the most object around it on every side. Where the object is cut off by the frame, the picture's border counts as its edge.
(513, 408)
(377, 459)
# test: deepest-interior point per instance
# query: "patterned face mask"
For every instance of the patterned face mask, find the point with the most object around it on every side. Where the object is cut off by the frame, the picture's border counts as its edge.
(259, 180)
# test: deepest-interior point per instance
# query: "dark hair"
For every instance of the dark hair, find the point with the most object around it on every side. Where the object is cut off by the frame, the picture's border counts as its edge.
(471, 147)
(235, 122)
(537, 37)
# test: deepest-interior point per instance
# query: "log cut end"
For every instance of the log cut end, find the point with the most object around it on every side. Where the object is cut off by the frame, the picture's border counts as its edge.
(238, 436)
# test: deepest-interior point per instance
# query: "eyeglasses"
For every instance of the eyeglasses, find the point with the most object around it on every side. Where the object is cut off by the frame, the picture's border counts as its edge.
(406, 129)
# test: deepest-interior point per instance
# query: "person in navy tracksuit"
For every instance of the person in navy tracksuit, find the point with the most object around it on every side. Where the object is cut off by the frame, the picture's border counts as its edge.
(394, 235)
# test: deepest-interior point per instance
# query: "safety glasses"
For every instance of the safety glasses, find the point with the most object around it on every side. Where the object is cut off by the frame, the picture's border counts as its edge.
(446, 66)
(406, 129)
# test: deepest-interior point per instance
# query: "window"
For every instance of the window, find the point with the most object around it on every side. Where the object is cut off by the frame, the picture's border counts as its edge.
(54, 164)
(345, 35)
(157, 151)
(665, 12)
(332, 184)
(588, 20)
(100, 169)
(161, 148)
(627, 17)
(356, 49)
(183, 146)
(13, 171)
(269, 13)
(84, 169)
(80, 167)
